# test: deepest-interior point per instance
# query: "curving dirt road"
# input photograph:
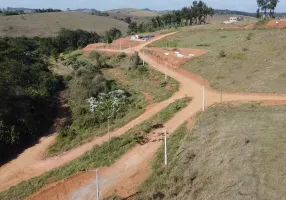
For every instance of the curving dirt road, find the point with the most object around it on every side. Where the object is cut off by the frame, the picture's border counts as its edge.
(129, 168)
(30, 163)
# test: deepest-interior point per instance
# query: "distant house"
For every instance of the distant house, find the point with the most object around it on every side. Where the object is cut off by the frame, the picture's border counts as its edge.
(233, 20)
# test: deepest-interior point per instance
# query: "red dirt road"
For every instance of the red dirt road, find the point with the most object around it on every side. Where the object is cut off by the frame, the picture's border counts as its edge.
(190, 85)
(133, 168)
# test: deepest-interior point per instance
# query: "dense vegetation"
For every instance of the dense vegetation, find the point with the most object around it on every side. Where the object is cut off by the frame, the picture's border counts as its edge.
(27, 88)
(233, 12)
(88, 83)
(97, 157)
(265, 5)
(46, 10)
(21, 12)
(187, 16)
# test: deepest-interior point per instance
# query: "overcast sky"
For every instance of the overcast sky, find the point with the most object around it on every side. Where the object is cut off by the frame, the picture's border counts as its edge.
(243, 5)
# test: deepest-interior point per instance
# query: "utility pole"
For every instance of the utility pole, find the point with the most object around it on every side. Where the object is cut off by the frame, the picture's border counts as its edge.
(165, 147)
(120, 45)
(166, 72)
(143, 58)
(221, 96)
(97, 186)
(203, 98)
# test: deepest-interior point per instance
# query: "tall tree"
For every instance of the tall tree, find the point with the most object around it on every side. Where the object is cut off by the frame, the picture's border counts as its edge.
(271, 6)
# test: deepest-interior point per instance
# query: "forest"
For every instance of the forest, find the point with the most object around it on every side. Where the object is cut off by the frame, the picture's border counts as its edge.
(28, 89)
(187, 16)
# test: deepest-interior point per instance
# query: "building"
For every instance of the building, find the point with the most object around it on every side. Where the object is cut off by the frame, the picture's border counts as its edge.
(233, 20)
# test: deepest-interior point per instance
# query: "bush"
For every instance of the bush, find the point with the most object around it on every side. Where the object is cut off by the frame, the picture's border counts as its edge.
(222, 54)
(121, 55)
(249, 36)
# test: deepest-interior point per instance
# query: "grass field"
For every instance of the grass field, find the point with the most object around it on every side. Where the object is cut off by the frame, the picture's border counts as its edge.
(48, 24)
(135, 14)
(97, 156)
(233, 152)
(254, 60)
(135, 81)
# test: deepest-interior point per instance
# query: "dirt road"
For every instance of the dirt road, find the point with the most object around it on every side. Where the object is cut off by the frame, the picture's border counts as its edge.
(190, 85)
(130, 170)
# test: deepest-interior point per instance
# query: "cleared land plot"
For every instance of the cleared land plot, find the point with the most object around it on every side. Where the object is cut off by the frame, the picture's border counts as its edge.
(233, 152)
(240, 60)
(168, 55)
(48, 24)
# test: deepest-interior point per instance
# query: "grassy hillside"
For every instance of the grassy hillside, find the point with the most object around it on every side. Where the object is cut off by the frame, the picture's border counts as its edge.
(231, 153)
(48, 24)
(135, 14)
(240, 60)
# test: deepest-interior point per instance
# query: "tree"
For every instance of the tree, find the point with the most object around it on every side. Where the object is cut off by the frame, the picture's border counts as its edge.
(271, 6)
(141, 27)
(108, 105)
(132, 28)
(127, 20)
(258, 13)
(112, 34)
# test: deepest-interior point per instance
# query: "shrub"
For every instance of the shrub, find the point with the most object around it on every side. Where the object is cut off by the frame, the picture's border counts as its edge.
(222, 54)
(121, 55)
(249, 35)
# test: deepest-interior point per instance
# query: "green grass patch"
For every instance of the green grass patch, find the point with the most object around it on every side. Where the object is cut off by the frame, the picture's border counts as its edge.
(252, 61)
(161, 177)
(98, 156)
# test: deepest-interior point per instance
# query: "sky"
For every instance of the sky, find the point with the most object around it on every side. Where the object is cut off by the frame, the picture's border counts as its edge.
(242, 5)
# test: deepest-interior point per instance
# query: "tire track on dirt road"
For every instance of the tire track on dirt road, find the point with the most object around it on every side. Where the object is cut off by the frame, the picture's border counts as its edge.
(123, 177)
(31, 163)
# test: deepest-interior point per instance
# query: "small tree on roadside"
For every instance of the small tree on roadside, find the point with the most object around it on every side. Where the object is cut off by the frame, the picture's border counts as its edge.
(108, 105)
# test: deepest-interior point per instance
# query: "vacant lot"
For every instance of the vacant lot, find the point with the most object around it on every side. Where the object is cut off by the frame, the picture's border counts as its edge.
(241, 60)
(48, 24)
(233, 152)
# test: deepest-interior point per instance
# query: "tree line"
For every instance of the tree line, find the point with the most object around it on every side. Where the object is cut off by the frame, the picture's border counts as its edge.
(187, 16)
(46, 10)
(27, 87)
(21, 12)
(267, 7)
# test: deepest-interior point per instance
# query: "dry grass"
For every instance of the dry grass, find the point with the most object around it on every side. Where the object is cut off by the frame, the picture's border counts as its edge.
(254, 61)
(48, 24)
(233, 152)
(135, 14)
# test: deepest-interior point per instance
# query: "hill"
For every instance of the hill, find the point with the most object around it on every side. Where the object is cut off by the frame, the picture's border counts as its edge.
(48, 24)
(135, 14)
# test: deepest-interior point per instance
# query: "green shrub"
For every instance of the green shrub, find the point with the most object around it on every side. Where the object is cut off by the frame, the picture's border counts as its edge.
(222, 54)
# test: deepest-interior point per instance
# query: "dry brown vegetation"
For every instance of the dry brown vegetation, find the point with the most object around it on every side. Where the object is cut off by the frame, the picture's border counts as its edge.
(233, 152)
(48, 24)
(135, 14)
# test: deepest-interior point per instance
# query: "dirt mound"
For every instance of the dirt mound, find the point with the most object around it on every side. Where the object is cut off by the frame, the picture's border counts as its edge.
(276, 23)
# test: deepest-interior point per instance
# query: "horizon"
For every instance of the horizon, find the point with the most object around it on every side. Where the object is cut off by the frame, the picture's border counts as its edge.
(243, 5)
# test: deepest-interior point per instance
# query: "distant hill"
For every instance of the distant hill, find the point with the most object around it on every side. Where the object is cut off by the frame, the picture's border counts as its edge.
(136, 15)
(48, 24)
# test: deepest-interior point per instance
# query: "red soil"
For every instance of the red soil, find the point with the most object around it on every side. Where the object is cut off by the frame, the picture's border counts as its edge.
(171, 60)
(125, 43)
